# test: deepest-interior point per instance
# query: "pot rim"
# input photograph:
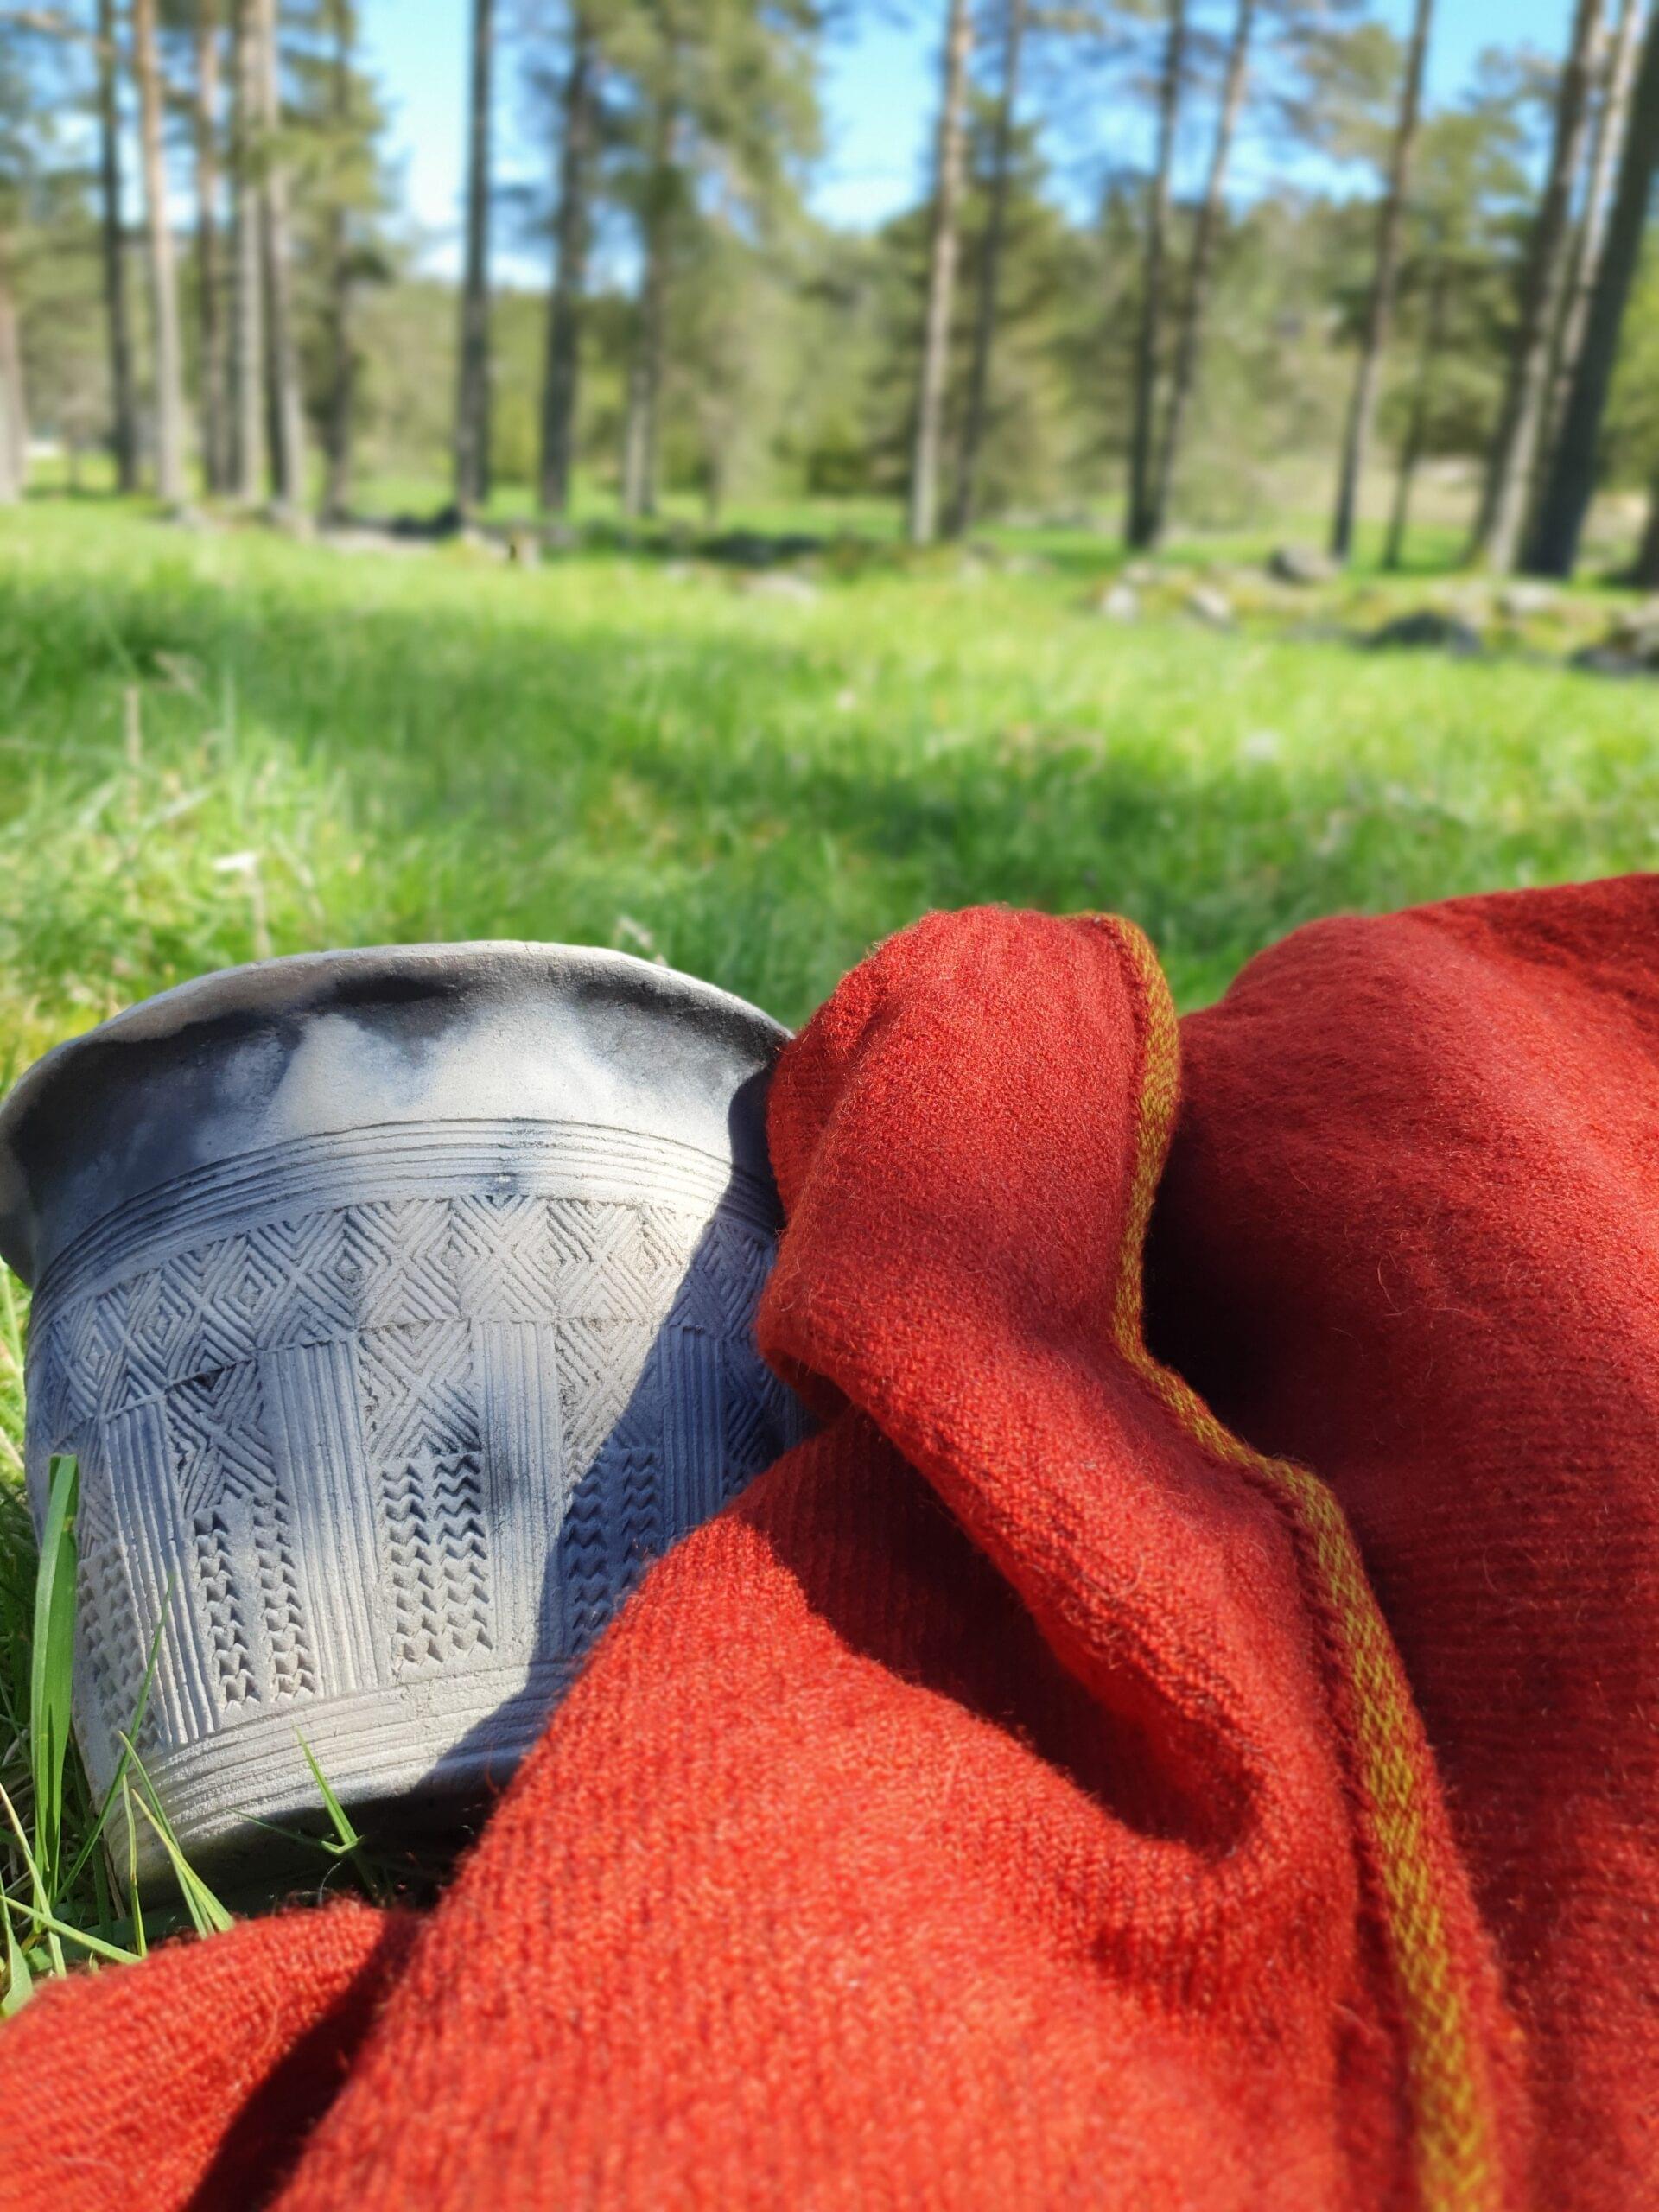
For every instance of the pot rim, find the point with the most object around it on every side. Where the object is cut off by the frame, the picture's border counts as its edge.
(167, 1013)
(288, 984)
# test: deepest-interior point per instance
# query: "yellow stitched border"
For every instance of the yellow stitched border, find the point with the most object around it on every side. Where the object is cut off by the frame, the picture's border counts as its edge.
(1455, 2149)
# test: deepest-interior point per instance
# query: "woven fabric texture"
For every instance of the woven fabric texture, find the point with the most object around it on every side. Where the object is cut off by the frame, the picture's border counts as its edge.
(1197, 1758)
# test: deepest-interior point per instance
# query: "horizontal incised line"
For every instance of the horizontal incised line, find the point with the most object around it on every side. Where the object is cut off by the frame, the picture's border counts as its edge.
(248, 1763)
(305, 1176)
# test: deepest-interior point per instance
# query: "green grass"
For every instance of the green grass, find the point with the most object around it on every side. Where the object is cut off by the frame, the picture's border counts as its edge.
(216, 745)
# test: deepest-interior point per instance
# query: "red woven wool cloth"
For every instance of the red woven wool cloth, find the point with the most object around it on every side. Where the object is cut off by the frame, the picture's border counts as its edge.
(1029, 1793)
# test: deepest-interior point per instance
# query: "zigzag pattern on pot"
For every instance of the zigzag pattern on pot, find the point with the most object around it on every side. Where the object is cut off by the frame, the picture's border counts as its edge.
(634, 1365)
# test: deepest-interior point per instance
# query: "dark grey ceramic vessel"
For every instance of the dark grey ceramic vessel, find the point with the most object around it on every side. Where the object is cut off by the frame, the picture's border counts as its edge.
(398, 1304)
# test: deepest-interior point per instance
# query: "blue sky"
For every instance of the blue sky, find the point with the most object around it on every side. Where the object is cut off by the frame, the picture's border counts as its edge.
(878, 93)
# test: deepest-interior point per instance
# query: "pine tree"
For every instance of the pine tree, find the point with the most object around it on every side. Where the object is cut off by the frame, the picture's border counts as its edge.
(214, 367)
(285, 411)
(1141, 524)
(572, 227)
(1617, 78)
(944, 249)
(1362, 412)
(247, 348)
(169, 362)
(1206, 236)
(123, 414)
(473, 389)
(1501, 521)
(1571, 482)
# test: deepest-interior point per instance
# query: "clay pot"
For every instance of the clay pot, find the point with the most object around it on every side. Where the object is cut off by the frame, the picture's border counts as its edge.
(398, 1306)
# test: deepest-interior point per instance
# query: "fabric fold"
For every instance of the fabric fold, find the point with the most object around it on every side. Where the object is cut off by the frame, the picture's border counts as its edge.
(1017, 1795)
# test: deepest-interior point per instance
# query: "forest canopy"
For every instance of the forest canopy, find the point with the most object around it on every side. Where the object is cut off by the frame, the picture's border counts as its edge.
(1204, 264)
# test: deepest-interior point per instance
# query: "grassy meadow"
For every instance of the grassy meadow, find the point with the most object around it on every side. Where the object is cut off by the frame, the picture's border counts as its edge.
(217, 743)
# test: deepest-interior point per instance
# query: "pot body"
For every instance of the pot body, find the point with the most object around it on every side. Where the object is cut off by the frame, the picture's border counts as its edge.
(399, 1307)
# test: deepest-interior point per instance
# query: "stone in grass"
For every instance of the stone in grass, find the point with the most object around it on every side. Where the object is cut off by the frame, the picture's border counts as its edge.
(1629, 648)
(1427, 629)
(1119, 602)
(1206, 604)
(480, 542)
(1522, 601)
(771, 584)
(1637, 631)
(358, 537)
(1608, 660)
(1302, 564)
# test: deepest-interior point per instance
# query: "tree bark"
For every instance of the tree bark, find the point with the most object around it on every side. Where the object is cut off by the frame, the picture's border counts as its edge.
(1500, 525)
(571, 227)
(1645, 574)
(944, 247)
(1417, 429)
(285, 414)
(1612, 113)
(990, 271)
(123, 417)
(1201, 269)
(472, 392)
(247, 301)
(640, 456)
(342, 357)
(1572, 478)
(1379, 314)
(210, 304)
(1148, 353)
(14, 415)
(163, 274)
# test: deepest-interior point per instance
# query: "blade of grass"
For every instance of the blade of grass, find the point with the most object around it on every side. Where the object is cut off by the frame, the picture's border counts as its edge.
(32, 1869)
(348, 1843)
(20, 1983)
(118, 1779)
(208, 1915)
(135, 1903)
(11, 1358)
(52, 1666)
(86, 1940)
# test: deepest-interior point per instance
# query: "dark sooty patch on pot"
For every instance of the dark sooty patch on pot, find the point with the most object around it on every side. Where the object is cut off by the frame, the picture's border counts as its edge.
(96, 1138)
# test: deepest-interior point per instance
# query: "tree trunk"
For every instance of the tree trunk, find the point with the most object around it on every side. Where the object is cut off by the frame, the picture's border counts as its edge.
(990, 272)
(124, 419)
(1502, 522)
(163, 275)
(714, 485)
(209, 288)
(1379, 312)
(1612, 113)
(342, 357)
(1572, 478)
(1148, 351)
(14, 418)
(1417, 428)
(645, 367)
(285, 414)
(941, 277)
(570, 231)
(247, 301)
(1205, 238)
(472, 392)
(1645, 574)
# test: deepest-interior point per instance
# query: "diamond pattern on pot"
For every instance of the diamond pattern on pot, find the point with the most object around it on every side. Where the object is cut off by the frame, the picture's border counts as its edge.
(394, 1441)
